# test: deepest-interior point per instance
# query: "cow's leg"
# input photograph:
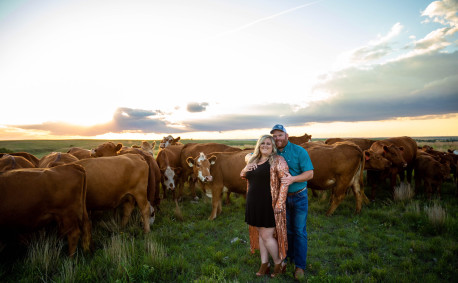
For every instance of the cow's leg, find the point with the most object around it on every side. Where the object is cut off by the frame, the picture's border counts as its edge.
(393, 177)
(372, 178)
(428, 188)
(142, 203)
(409, 174)
(417, 182)
(216, 202)
(228, 197)
(337, 195)
(69, 226)
(356, 188)
(86, 237)
(127, 208)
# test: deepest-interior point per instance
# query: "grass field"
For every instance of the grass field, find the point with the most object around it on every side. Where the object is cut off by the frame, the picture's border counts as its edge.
(413, 240)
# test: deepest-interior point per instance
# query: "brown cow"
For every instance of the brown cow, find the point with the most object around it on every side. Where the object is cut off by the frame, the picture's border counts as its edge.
(32, 198)
(154, 174)
(169, 140)
(10, 162)
(80, 153)
(301, 139)
(225, 170)
(168, 160)
(118, 180)
(375, 161)
(337, 167)
(401, 152)
(30, 157)
(432, 172)
(193, 150)
(364, 144)
(56, 159)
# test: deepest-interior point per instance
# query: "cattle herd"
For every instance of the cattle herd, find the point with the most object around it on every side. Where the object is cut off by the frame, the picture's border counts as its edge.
(65, 188)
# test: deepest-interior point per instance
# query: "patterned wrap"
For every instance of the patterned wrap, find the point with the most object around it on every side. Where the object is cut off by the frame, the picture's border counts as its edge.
(279, 193)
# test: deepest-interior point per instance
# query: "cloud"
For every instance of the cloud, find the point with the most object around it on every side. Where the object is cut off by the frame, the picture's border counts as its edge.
(443, 12)
(194, 107)
(376, 49)
(124, 120)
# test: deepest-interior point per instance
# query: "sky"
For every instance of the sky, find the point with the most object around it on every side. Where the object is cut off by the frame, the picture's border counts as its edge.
(203, 69)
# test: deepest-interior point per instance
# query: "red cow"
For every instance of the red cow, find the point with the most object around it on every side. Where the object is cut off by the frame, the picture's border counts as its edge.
(364, 144)
(32, 198)
(301, 139)
(56, 159)
(337, 167)
(30, 157)
(431, 172)
(79, 153)
(10, 162)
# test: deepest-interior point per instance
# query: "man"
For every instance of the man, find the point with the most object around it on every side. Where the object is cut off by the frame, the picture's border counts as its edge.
(301, 171)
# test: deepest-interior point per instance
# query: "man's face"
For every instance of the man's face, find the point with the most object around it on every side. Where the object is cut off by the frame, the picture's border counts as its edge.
(280, 138)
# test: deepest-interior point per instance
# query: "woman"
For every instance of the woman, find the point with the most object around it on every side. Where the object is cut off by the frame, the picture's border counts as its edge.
(265, 205)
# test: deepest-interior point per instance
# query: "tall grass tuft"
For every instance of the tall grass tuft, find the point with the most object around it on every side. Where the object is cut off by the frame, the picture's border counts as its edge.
(120, 252)
(43, 253)
(69, 270)
(154, 250)
(403, 192)
(414, 208)
(436, 214)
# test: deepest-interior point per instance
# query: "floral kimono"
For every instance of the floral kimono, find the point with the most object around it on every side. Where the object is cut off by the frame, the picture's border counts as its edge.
(279, 193)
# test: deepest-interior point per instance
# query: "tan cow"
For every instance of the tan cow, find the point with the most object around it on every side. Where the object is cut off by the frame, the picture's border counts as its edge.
(364, 144)
(146, 146)
(193, 150)
(80, 153)
(118, 180)
(169, 140)
(56, 159)
(32, 198)
(30, 157)
(431, 172)
(301, 139)
(401, 152)
(106, 149)
(10, 162)
(168, 160)
(224, 169)
(337, 167)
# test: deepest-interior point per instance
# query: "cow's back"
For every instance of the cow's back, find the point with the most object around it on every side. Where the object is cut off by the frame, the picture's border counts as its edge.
(363, 143)
(227, 168)
(11, 162)
(55, 159)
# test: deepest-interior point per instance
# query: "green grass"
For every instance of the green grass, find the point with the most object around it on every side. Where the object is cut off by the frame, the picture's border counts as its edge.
(388, 242)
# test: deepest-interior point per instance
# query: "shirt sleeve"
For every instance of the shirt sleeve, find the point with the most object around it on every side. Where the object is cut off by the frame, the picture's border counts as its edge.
(305, 162)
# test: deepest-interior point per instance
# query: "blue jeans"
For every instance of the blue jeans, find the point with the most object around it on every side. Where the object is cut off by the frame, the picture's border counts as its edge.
(296, 225)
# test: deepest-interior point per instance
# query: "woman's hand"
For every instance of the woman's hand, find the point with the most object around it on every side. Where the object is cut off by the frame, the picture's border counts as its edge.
(251, 166)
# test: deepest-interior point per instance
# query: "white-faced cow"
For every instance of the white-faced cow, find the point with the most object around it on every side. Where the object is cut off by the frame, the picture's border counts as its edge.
(193, 150)
(169, 140)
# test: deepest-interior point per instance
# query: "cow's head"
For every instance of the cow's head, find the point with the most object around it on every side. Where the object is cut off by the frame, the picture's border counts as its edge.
(146, 146)
(169, 177)
(375, 161)
(201, 166)
(168, 140)
(106, 149)
(394, 154)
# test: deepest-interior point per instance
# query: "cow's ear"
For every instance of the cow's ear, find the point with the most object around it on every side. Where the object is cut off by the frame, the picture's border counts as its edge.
(212, 159)
(367, 155)
(177, 139)
(118, 147)
(153, 144)
(190, 161)
(385, 149)
(401, 148)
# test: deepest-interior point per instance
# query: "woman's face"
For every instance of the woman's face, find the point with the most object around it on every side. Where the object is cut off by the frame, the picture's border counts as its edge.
(266, 147)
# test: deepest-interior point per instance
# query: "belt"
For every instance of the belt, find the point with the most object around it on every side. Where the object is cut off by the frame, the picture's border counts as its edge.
(295, 193)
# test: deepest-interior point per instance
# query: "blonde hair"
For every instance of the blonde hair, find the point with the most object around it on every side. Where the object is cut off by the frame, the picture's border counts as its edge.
(257, 153)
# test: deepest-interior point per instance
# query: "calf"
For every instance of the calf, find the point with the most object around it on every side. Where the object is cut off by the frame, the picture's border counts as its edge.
(32, 198)
(301, 139)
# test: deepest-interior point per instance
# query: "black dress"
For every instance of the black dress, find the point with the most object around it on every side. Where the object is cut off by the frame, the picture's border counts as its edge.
(258, 210)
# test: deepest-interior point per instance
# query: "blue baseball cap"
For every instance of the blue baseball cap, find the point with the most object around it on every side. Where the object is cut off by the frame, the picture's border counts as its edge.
(278, 127)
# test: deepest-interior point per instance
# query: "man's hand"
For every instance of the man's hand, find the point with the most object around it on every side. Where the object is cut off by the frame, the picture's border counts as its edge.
(287, 179)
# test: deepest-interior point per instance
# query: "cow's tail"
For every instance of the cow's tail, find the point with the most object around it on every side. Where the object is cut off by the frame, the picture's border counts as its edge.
(86, 237)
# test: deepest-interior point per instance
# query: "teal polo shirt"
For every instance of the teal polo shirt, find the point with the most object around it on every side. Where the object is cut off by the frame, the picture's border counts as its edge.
(298, 161)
